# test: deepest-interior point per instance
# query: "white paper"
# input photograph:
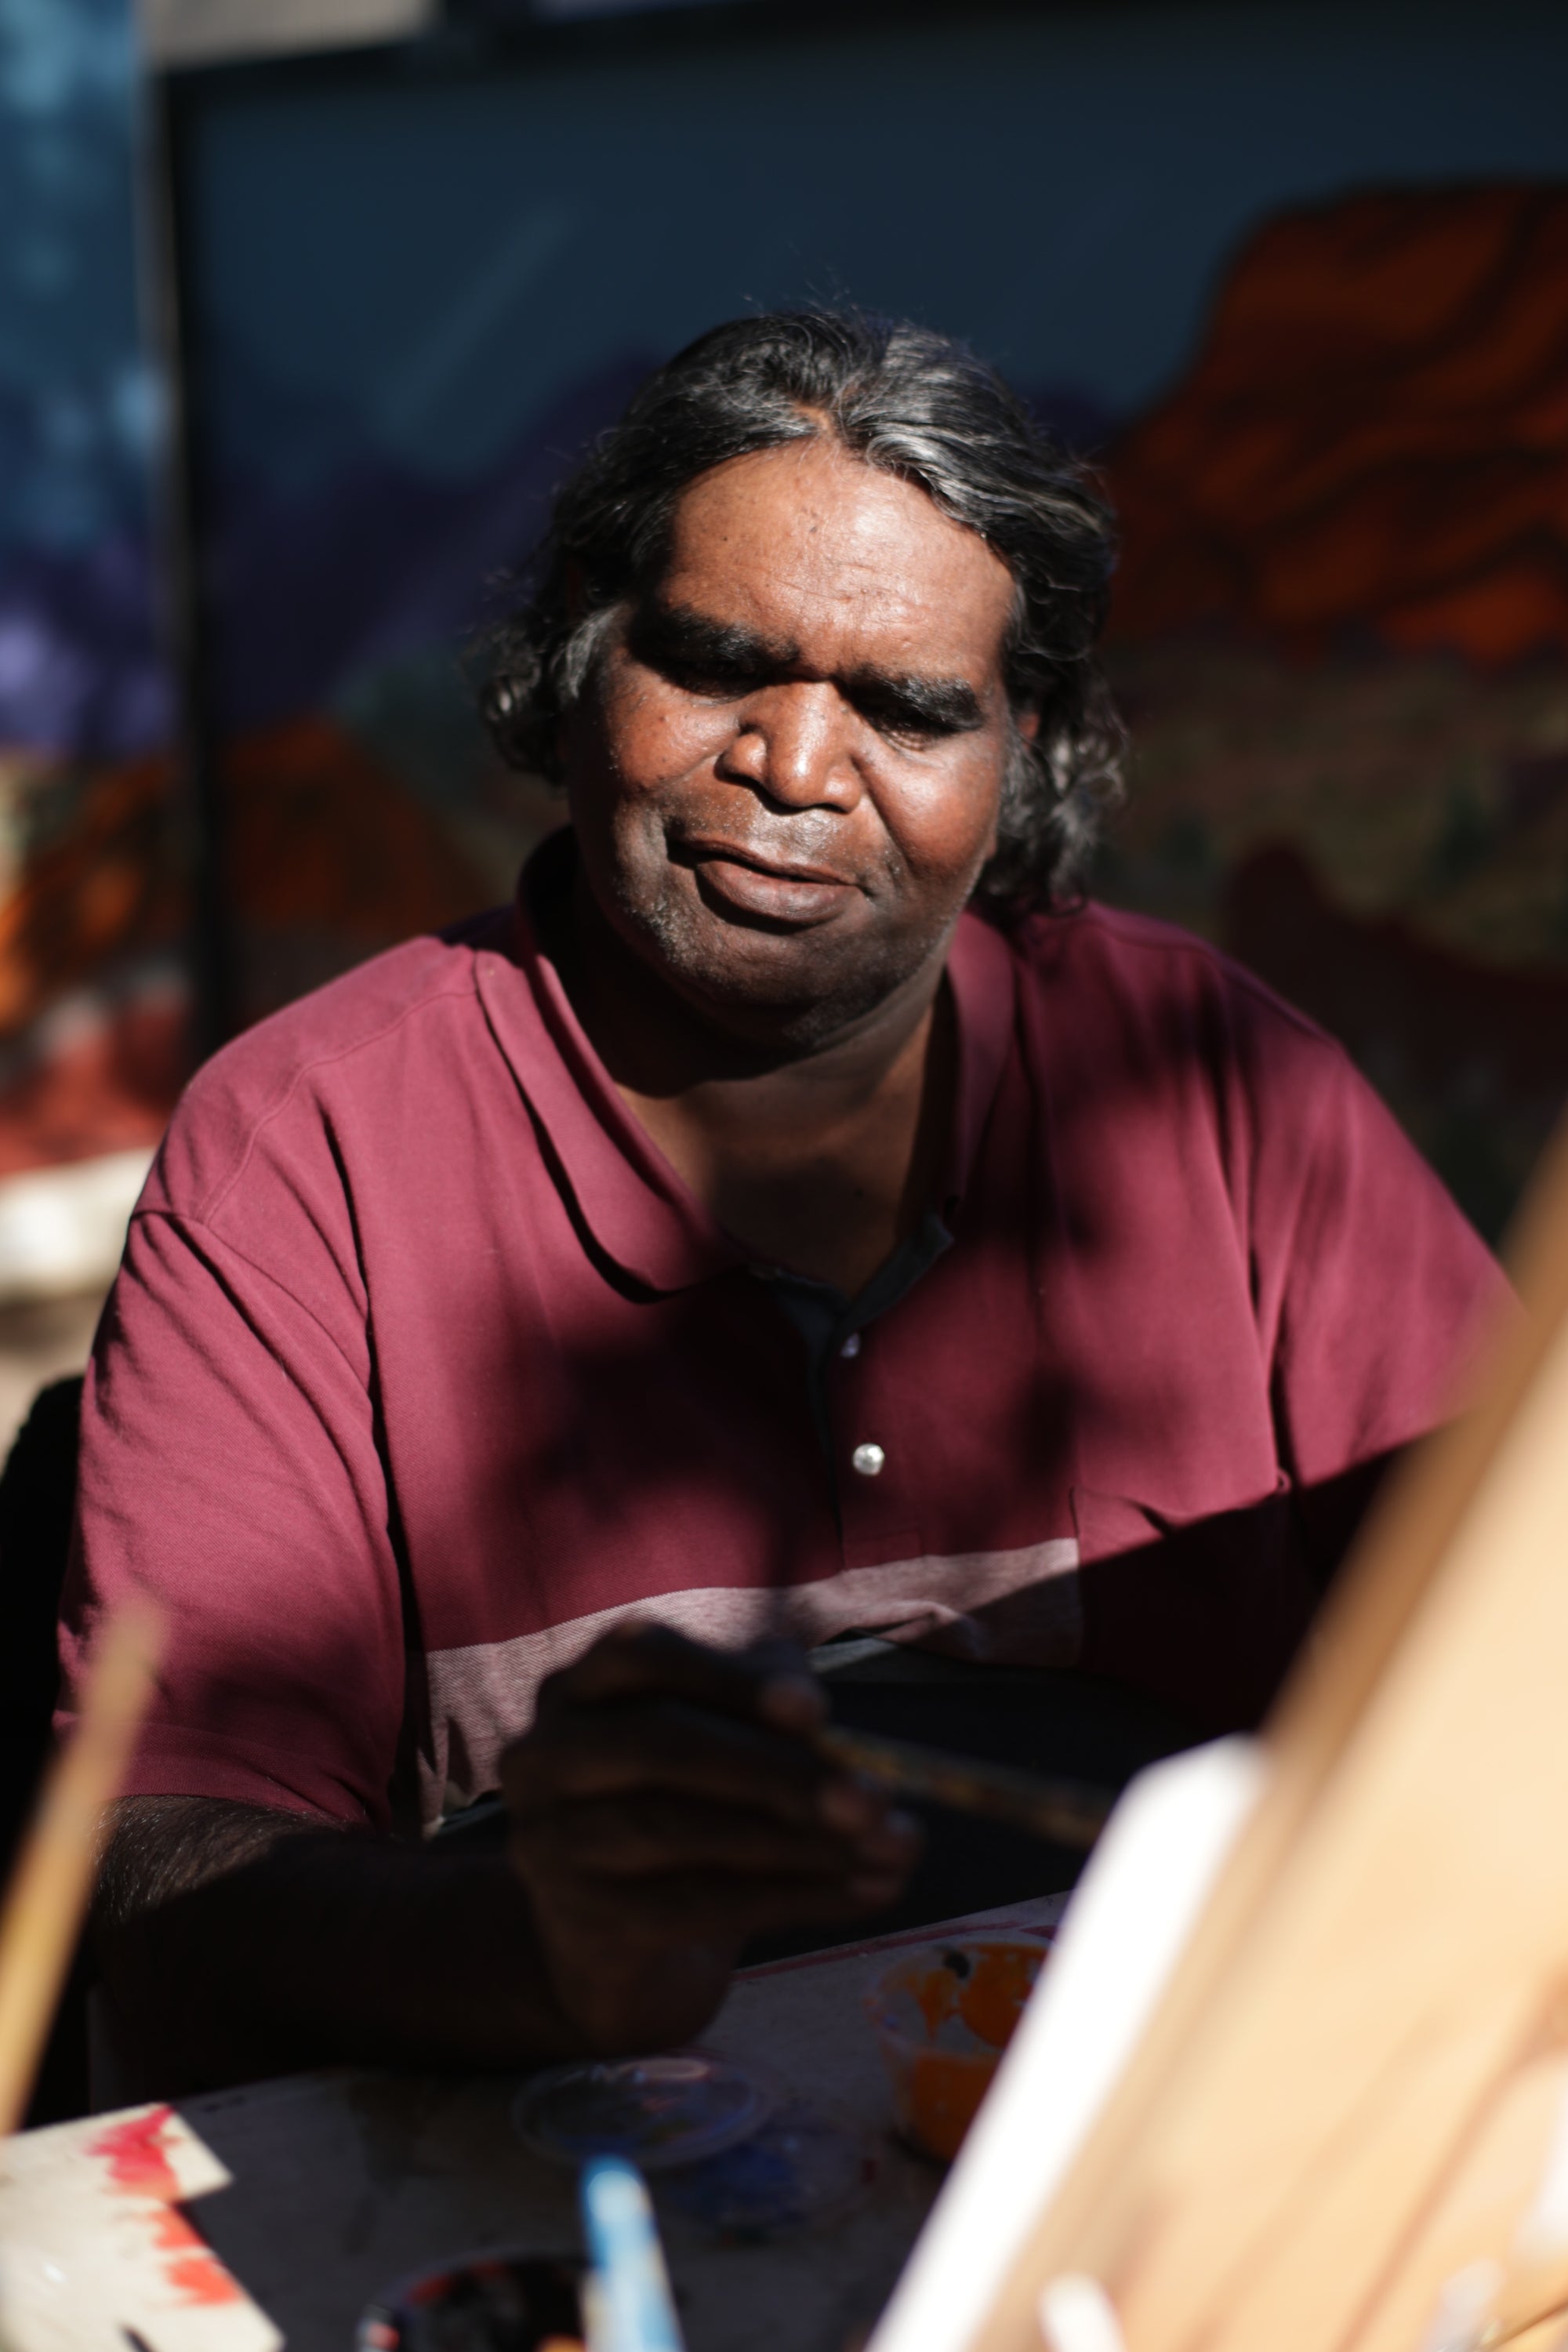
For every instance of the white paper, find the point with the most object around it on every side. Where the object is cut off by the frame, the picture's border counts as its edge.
(92, 2243)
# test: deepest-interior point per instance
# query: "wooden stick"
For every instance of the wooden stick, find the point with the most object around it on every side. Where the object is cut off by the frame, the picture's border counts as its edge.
(1066, 1811)
(48, 1895)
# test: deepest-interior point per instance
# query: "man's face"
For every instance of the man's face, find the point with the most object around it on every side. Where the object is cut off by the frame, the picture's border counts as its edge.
(787, 778)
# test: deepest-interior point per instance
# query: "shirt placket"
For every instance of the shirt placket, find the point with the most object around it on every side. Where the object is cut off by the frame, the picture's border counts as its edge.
(875, 1479)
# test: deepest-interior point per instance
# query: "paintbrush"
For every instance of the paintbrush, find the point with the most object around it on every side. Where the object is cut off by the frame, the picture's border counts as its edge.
(627, 2302)
(1068, 1813)
(48, 1895)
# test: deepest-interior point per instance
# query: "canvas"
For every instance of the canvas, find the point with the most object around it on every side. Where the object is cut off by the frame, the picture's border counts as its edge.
(1292, 278)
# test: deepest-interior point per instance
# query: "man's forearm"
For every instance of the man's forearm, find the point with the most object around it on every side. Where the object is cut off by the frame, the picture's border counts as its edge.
(237, 1943)
(667, 1802)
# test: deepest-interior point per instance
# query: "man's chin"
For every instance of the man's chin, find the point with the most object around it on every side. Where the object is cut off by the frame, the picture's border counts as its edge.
(794, 990)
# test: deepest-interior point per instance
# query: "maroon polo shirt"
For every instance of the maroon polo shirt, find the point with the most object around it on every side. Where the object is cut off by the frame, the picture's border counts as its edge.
(424, 1366)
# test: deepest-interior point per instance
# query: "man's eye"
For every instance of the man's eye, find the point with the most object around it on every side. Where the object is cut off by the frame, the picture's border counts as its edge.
(712, 680)
(909, 729)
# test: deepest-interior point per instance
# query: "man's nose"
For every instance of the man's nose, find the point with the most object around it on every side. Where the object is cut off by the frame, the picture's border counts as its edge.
(793, 744)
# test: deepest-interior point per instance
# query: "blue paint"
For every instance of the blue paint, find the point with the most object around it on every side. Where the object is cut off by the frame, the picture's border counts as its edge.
(801, 2170)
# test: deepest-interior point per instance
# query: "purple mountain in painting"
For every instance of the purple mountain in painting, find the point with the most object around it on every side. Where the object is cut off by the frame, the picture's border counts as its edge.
(80, 669)
(377, 563)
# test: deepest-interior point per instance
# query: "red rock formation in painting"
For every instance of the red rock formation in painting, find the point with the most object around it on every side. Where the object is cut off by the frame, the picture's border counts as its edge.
(1373, 445)
(322, 837)
(331, 858)
(104, 1079)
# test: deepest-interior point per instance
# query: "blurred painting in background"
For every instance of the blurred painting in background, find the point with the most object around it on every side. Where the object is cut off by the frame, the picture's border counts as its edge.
(1295, 278)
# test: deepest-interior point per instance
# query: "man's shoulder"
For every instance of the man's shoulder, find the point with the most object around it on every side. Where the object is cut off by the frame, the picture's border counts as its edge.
(359, 1040)
(1139, 960)
(1139, 1010)
(375, 1009)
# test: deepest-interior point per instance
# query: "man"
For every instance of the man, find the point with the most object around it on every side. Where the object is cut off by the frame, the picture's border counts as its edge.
(737, 1240)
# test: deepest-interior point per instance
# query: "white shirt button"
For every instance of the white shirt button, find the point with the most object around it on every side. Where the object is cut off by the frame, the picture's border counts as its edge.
(852, 1344)
(868, 1460)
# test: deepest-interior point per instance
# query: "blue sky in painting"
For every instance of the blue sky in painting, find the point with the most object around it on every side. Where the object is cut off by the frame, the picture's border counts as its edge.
(429, 266)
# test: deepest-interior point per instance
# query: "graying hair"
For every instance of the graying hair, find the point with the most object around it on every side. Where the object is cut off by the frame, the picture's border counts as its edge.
(917, 404)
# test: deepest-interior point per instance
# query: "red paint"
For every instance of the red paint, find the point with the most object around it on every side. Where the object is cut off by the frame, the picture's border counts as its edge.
(136, 2153)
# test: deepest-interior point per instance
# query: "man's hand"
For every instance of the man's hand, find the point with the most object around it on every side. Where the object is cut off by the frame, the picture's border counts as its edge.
(667, 1804)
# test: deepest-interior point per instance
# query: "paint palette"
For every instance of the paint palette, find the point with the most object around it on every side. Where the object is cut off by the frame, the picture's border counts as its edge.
(942, 2016)
(505, 2301)
(676, 2108)
(802, 2168)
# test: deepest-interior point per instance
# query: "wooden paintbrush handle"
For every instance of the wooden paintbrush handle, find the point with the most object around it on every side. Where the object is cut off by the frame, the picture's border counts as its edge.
(1065, 1812)
(48, 1897)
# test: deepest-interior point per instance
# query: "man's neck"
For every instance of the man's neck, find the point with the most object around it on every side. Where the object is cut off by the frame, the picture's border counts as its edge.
(821, 1160)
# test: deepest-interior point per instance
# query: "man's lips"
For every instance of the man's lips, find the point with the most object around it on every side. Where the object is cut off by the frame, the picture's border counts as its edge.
(753, 884)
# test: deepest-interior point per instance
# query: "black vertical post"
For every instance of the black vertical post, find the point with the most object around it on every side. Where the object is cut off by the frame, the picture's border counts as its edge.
(202, 813)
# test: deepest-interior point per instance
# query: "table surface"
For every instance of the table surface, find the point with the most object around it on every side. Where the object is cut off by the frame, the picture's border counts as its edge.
(344, 2181)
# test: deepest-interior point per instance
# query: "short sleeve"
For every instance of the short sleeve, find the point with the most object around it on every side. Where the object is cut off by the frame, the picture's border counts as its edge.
(1376, 1296)
(230, 1472)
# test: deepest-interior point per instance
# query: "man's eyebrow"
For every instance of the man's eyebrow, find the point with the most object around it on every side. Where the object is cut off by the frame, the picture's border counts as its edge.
(908, 698)
(948, 704)
(675, 631)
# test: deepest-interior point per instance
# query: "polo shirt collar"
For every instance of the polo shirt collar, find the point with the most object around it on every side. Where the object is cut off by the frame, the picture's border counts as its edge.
(628, 1200)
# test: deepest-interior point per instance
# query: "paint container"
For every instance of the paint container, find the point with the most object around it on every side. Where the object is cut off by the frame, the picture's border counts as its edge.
(499, 2301)
(661, 2111)
(942, 2016)
(805, 2167)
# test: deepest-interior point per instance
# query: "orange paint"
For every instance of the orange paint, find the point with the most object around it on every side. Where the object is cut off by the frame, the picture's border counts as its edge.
(935, 1991)
(937, 2089)
(992, 1998)
(201, 2279)
(944, 2090)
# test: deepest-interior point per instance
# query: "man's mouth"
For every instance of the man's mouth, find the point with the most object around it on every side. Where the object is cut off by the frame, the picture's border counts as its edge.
(739, 880)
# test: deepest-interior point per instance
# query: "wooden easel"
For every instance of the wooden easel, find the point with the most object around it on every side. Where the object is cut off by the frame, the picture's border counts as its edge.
(1338, 2123)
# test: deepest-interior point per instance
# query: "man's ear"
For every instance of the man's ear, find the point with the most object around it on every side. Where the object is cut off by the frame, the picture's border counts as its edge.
(1026, 720)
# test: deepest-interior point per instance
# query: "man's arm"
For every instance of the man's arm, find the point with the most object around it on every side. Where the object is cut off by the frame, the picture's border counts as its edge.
(666, 1806)
(236, 1942)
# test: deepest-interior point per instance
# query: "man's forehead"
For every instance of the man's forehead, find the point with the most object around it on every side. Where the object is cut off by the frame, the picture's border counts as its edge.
(801, 544)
